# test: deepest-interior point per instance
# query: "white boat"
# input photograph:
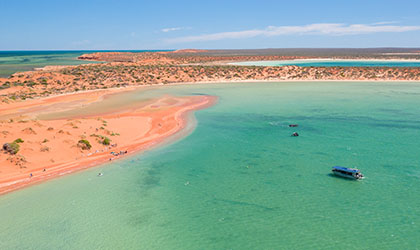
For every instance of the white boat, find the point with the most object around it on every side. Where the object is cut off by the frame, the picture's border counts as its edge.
(350, 173)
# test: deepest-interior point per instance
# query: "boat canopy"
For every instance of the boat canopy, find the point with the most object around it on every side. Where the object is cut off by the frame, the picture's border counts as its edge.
(350, 170)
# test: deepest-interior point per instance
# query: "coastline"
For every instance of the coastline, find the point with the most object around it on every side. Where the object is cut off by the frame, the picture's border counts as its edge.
(148, 69)
(53, 97)
(329, 59)
(161, 126)
(286, 80)
(129, 88)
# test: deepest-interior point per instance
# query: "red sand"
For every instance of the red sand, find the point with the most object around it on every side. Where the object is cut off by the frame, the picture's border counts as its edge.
(52, 144)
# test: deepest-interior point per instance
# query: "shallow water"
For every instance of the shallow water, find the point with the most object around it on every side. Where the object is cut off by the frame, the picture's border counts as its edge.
(334, 63)
(239, 181)
(16, 61)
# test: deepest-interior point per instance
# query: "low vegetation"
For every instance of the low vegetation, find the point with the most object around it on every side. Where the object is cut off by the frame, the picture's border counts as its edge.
(157, 68)
(18, 140)
(11, 148)
(106, 141)
(102, 139)
(84, 145)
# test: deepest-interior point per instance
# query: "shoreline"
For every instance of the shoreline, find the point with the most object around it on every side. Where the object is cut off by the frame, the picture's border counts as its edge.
(55, 97)
(282, 81)
(329, 59)
(161, 128)
(181, 118)
(307, 60)
(129, 88)
(148, 69)
(101, 94)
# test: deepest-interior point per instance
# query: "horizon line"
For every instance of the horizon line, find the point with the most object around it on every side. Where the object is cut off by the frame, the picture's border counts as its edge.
(157, 50)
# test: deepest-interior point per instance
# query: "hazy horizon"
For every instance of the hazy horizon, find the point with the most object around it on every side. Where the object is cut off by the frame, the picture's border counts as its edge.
(220, 49)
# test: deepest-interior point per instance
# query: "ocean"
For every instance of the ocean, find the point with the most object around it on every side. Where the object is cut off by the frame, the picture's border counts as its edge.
(240, 181)
(16, 61)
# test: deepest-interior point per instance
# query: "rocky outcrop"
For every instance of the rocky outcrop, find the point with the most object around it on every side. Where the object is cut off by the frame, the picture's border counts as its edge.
(11, 148)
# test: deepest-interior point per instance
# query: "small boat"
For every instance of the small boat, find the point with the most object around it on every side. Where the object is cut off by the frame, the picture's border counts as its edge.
(293, 125)
(350, 173)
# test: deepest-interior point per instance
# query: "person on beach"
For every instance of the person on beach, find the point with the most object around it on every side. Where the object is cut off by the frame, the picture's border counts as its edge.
(30, 175)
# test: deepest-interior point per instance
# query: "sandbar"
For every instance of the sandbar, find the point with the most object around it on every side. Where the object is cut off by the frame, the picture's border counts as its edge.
(51, 148)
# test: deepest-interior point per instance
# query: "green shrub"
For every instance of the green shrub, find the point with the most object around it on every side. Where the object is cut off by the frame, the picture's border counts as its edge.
(84, 144)
(5, 86)
(106, 141)
(15, 147)
(18, 140)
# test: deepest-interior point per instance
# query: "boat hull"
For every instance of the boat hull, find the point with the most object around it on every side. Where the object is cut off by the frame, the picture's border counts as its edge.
(345, 175)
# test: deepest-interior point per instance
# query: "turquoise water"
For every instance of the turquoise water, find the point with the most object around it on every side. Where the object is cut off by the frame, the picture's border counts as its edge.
(17, 61)
(333, 63)
(239, 181)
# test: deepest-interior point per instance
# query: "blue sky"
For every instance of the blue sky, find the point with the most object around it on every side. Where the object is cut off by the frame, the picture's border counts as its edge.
(123, 24)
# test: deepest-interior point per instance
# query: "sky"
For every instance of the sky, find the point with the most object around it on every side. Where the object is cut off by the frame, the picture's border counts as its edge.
(171, 24)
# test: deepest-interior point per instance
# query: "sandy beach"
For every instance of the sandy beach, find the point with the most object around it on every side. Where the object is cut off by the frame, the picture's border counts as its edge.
(51, 148)
(209, 125)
